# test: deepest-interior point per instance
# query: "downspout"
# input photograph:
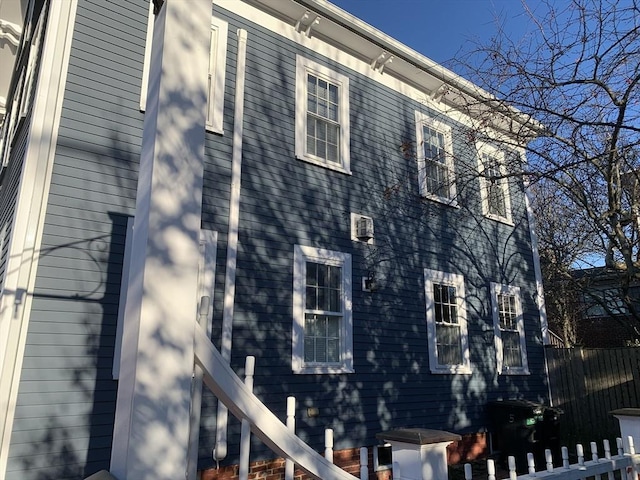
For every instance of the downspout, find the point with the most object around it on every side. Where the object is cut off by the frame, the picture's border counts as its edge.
(220, 450)
(544, 325)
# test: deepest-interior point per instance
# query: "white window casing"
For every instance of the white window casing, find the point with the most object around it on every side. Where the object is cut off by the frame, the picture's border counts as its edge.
(304, 359)
(508, 321)
(217, 71)
(436, 172)
(494, 185)
(446, 315)
(322, 116)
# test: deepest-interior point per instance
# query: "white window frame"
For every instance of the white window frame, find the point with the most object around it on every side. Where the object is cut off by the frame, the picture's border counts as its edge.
(503, 183)
(302, 255)
(500, 289)
(432, 277)
(217, 62)
(305, 66)
(423, 120)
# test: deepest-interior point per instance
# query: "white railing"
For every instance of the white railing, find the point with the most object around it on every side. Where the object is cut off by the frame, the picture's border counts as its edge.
(626, 462)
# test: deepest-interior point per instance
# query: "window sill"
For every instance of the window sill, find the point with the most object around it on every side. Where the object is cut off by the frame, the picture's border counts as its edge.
(328, 166)
(516, 371)
(323, 370)
(446, 370)
(212, 129)
(505, 221)
(443, 200)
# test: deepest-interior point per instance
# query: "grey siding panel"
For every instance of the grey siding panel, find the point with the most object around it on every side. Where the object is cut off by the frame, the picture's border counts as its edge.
(66, 379)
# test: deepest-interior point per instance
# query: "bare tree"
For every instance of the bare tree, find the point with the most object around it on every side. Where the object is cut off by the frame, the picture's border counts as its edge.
(575, 79)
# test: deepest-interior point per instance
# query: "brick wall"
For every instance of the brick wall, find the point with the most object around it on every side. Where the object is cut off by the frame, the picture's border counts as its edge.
(470, 447)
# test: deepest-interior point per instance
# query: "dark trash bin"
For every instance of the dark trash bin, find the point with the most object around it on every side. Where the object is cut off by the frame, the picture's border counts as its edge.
(522, 427)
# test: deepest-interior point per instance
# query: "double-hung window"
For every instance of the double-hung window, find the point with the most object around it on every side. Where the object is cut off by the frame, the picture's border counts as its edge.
(509, 329)
(446, 322)
(216, 75)
(436, 177)
(322, 325)
(322, 116)
(496, 202)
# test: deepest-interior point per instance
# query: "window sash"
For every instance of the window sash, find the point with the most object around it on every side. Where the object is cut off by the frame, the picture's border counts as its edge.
(448, 344)
(322, 338)
(509, 329)
(446, 322)
(322, 116)
(495, 185)
(436, 175)
(323, 119)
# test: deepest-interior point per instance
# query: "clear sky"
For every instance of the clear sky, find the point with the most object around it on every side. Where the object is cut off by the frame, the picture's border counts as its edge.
(441, 28)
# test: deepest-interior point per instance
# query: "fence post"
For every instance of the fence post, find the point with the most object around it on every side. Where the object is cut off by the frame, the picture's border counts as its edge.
(364, 463)
(245, 432)
(328, 444)
(580, 453)
(619, 446)
(607, 455)
(511, 463)
(531, 464)
(548, 458)
(565, 457)
(491, 470)
(594, 451)
(289, 466)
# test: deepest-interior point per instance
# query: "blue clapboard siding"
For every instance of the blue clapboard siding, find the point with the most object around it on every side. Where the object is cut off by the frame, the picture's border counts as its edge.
(66, 401)
(285, 202)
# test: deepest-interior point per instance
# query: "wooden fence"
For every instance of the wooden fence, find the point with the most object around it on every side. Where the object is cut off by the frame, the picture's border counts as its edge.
(587, 383)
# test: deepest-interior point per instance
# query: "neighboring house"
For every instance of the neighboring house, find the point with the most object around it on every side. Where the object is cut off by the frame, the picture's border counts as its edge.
(346, 242)
(605, 320)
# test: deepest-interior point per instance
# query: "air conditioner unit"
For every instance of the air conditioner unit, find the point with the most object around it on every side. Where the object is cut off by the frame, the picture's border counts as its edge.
(364, 229)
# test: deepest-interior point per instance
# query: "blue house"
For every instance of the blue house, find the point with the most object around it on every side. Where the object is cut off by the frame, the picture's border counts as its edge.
(308, 190)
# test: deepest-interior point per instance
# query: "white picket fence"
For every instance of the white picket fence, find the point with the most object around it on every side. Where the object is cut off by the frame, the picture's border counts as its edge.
(626, 463)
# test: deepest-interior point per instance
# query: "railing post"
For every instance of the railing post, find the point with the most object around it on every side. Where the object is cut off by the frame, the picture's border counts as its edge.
(364, 463)
(291, 425)
(245, 432)
(328, 444)
(468, 474)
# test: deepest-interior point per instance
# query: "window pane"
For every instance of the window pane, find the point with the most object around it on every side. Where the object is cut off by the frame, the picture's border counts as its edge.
(333, 93)
(322, 338)
(511, 356)
(312, 273)
(448, 344)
